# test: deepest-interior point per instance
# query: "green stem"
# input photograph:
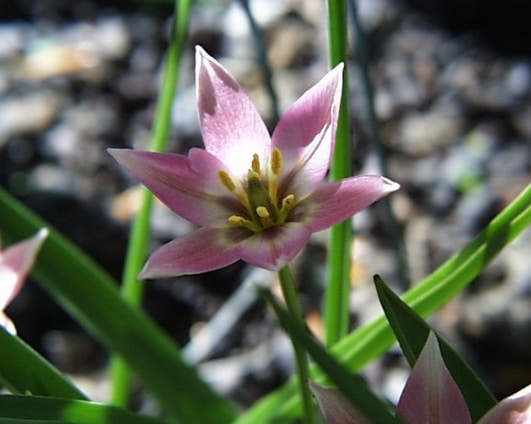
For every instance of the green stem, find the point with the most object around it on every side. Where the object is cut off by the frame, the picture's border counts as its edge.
(336, 314)
(393, 227)
(287, 284)
(132, 290)
(261, 53)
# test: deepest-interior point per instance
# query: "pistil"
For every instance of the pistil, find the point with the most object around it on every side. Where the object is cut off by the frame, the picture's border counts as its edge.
(259, 197)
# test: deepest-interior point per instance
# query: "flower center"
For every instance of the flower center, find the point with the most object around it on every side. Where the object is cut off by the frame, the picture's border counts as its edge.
(259, 195)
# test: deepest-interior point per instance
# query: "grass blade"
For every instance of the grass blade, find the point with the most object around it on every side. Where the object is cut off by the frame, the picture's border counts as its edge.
(92, 298)
(54, 410)
(22, 370)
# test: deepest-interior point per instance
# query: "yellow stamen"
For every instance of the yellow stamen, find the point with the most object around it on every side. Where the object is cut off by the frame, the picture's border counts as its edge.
(287, 205)
(255, 165)
(288, 201)
(226, 180)
(240, 221)
(276, 161)
(263, 213)
(260, 205)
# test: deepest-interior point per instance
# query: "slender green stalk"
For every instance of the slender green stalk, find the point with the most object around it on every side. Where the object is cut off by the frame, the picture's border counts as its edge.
(292, 303)
(131, 289)
(393, 227)
(262, 59)
(336, 314)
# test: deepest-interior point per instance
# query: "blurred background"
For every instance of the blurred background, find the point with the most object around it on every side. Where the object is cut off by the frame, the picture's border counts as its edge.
(452, 85)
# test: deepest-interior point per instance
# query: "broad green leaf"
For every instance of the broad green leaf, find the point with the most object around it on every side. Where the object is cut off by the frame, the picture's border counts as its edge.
(22, 370)
(352, 386)
(54, 410)
(411, 332)
(92, 298)
(370, 341)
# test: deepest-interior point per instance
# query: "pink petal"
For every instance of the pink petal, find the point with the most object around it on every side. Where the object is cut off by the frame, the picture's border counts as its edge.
(15, 263)
(306, 133)
(231, 126)
(274, 248)
(202, 250)
(339, 200)
(207, 167)
(431, 394)
(334, 406)
(188, 186)
(516, 409)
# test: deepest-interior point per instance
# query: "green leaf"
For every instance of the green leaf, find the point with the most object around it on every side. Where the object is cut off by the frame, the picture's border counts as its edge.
(370, 341)
(38, 409)
(22, 370)
(137, 248)
(411, 332)
(92, 298)
(24, 421)
(336, 311)
(352, 386)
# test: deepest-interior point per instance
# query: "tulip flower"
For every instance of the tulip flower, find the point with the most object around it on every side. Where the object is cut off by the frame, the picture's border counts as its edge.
(430, 396)
(257, 197)
(15, 263)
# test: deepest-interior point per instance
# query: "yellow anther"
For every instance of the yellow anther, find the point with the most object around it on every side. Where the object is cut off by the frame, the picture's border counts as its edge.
(262, 212)
(288, 201)
(255, 165)
(287, 205)
(259, 205)
(276, 161)
(238, 220)
(265, 218)
(226, 180)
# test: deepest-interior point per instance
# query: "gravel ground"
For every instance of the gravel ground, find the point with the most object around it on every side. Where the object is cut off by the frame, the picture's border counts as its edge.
(453, 99)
